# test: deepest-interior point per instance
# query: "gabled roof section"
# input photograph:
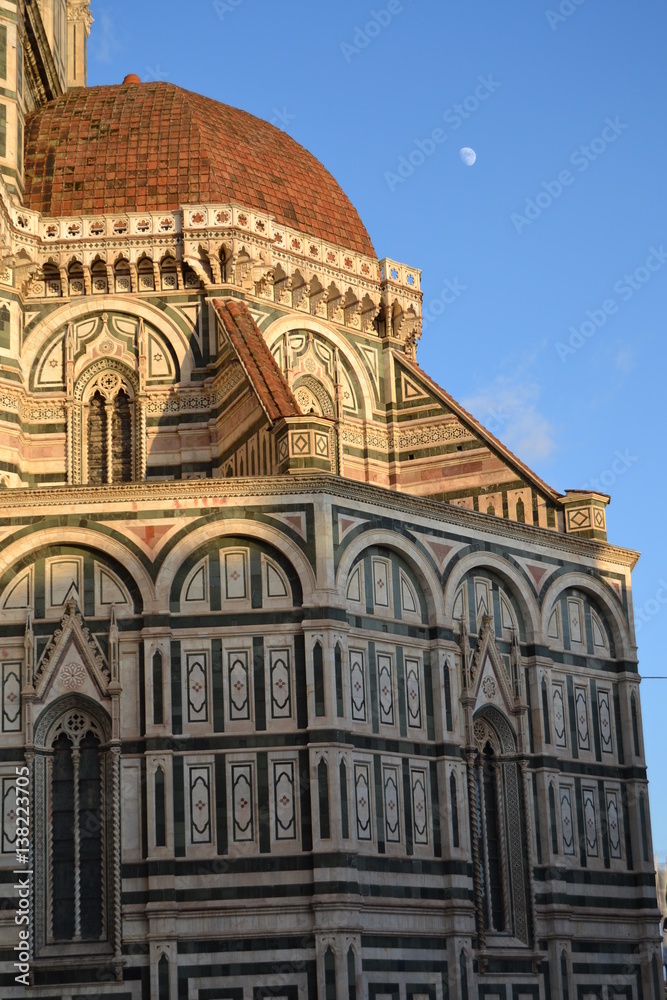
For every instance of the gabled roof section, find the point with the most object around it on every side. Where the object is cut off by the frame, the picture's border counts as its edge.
(260, 366)
(467, 418)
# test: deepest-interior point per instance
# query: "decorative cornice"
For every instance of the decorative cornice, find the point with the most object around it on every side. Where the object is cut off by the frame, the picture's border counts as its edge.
(250, 492)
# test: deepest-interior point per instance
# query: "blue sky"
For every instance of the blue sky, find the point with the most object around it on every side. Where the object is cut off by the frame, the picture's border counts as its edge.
(553, 240)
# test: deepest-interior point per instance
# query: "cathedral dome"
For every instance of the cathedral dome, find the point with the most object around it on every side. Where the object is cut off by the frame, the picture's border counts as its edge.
(152, 147)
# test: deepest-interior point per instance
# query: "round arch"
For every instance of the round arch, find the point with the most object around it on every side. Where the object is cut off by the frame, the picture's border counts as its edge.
(88, 538)
(308, 322)
(254, 530)
(80, 308)
(613, 616)
(409, 551)
(518, 585)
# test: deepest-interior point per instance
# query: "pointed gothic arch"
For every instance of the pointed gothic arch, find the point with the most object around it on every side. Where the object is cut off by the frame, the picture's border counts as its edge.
(76, 775)
(499, 826)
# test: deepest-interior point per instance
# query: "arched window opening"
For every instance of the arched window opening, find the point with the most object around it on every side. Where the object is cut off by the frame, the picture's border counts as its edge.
(121, 439)
(77, 859)
(552, 819)
(318, 680)
(545, 712)
(498, 814)
(98, 278)
(145, 275)
(97, 451)
(168, 274)
(338, 668)
(564, 978)
(323, 796)
(75, 278)
(344, 819)
(158, 708)
(163, 978)
(76, 837)
(351, 975)
(122, 279)
(493, 884)
(520, 511)
(644, 828)
(109, 428)
(635, 724)
(160, 821)
(330, 974)
(52, 283)
(463, 973)
(455, 810)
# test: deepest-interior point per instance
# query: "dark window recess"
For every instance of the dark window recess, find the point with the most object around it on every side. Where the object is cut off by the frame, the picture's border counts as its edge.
(455, 809)
(545, 712)
(552, 819)
(163, 978)
(338, 661)
(642, 822)
(76, 822)
(62, 831)
(97, 452)
(158, 708)
(344, 819)
(489, 841)
(121, 439)
(318, 680)
(635, 724)
(330, 975)
(90, 838)
(323, 795)
(160, 825)
(351, 975)
(5, 328)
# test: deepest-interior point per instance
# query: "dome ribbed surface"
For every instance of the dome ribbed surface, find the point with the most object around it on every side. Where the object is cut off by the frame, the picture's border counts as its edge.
(152, 147)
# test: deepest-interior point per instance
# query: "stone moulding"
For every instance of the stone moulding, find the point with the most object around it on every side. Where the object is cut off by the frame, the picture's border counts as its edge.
(245, 492)
(222, 244)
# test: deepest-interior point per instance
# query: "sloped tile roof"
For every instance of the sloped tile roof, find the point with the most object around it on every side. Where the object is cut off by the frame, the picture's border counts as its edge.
(260, 365)
(144, 147)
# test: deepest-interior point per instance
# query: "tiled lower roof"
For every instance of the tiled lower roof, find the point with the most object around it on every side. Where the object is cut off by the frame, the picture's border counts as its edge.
(260, 365)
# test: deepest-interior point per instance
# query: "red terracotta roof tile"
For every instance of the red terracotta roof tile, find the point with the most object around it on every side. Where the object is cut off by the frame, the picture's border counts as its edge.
(142, 132)
(260, 365)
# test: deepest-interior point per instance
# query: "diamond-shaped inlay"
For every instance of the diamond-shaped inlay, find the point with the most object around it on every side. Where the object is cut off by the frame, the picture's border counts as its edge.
(300, 443)
(598, 517)
(579, 518)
